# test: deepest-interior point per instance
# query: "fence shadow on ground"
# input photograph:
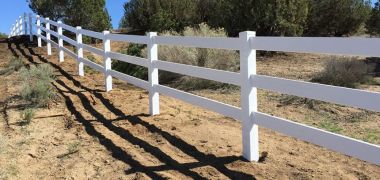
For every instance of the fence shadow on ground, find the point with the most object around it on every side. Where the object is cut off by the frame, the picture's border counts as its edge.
(203, 160)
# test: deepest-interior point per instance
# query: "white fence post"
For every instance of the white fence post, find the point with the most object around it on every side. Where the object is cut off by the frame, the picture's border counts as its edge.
(154, 96)
(60, 42)
(25, 24)
(20, 24)
(48, 45)
(248, 97)
(39, 31)
(12, 31)
(79, 51)
(107, 60)
(30, 28)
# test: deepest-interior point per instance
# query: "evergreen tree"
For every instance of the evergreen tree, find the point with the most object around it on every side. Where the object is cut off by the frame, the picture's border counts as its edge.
(159, 15)
(337, 17)
(373, 24)
(55, 10)
(90, 14)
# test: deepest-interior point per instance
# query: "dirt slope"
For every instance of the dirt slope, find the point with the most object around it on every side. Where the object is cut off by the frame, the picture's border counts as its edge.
(92, 134)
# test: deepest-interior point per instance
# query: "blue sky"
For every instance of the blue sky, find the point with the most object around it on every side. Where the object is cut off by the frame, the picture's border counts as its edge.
(10, 10)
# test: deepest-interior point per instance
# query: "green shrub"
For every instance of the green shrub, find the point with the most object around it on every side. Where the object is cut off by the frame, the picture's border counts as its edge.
(36, 84)
(27, 116)
(15, 64)
(131, 69)
(346, 72)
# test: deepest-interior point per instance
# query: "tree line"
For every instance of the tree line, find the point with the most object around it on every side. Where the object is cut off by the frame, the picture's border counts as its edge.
(266, 17)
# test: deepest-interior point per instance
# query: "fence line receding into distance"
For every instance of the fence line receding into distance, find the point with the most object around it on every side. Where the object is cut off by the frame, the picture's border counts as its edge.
(247, 43)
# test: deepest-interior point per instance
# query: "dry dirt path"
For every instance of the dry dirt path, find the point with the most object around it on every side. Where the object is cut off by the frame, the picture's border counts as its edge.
(93, 134)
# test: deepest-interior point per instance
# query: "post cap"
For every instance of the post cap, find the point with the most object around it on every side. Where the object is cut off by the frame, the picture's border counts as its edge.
(150, 34)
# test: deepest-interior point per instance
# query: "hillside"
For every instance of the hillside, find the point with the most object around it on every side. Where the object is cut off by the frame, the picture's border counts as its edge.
(88, 133)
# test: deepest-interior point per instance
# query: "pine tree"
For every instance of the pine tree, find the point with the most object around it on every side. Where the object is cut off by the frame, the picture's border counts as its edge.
(337, 17)
(90, 14)
(55, 10)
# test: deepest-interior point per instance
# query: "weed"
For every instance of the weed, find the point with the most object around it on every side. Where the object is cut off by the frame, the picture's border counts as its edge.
(295, 100)
(330, 126)
(27, 115)
(372, 136)
(346, 72)
(89, 70)
(91, 58)
(36, 84)
(15, 64)
(71, 149)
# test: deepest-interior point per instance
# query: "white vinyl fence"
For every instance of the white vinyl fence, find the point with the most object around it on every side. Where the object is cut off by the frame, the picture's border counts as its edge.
(246, 44)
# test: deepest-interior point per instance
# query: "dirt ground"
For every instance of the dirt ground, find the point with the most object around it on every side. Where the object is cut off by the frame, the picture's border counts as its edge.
(90, 134)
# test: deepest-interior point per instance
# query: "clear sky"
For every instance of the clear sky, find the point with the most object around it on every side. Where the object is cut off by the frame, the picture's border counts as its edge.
(10, 10)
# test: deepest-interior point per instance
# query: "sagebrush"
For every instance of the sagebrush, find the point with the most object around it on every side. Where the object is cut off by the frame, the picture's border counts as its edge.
(210, 58)
(346, 72)
(15, 64)
(36, 84)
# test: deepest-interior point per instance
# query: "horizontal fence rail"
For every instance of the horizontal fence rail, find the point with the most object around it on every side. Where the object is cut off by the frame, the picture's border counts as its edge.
(336, 142)
(129, 59)
(338, 95)
(323, 45)
(200, 72)
(247, 44)
(200, 42)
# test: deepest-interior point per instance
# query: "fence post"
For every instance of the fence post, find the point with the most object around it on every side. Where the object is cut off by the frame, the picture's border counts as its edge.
(39, 31)
(60, 42)
(12, 30)
(248, 96)
(79, 51)
(48, 45)
(107, 60)
(25, 24)
(30, 28)
(154, 96)
(20, 30)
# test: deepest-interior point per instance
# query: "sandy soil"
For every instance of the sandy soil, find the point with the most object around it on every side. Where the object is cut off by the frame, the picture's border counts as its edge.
(89, 133)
